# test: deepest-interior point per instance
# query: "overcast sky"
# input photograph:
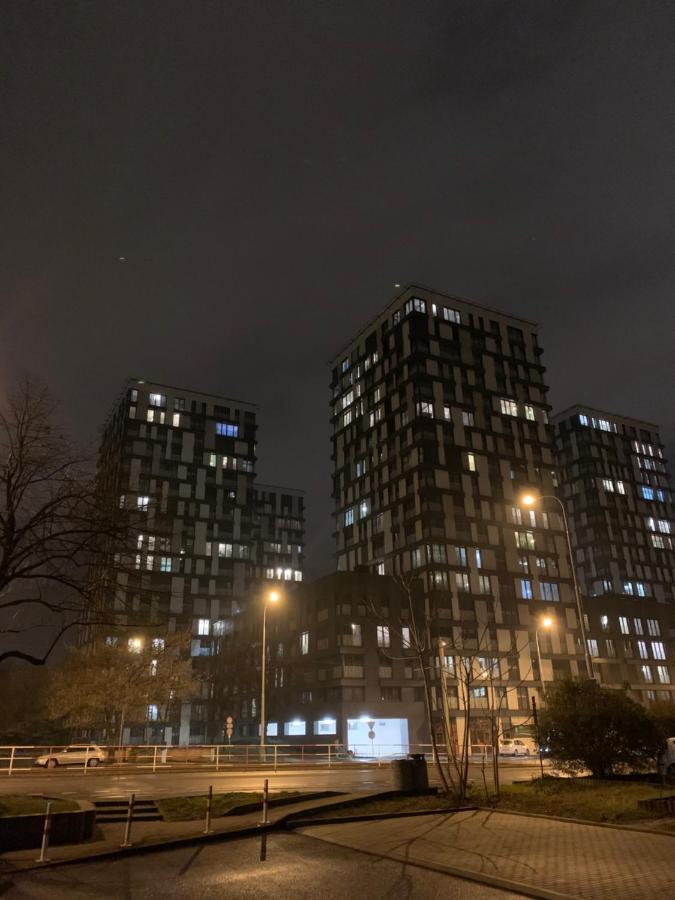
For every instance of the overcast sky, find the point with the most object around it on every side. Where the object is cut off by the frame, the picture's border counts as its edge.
(268, 171)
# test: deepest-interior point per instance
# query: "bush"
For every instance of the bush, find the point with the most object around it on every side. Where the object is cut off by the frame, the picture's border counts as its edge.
(590, 727)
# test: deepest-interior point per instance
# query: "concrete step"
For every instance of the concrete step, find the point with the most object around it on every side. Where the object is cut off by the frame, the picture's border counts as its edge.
(116, 810)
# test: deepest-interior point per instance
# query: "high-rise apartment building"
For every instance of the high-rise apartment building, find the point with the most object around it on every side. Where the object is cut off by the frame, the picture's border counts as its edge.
(185, 463)
(440, 425)
(619, 502)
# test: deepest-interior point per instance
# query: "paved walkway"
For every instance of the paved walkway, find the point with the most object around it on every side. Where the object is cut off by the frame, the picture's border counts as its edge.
(544, 855)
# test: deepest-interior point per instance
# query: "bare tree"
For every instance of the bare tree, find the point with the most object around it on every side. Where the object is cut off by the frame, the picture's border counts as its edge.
(56, 527)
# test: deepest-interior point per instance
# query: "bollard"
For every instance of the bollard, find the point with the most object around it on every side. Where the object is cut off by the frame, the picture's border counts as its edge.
(209, 804)
(11, 760)
(154, 759)
(264, 802)
(130, 815)
(45, 833)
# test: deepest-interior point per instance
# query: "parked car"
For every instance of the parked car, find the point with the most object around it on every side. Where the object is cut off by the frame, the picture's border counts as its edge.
(666, 761)
(73, 755)
(517, 747)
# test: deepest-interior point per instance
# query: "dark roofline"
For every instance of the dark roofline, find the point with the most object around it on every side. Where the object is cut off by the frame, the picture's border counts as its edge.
(174, 387)
(581, 407)
(414, 285)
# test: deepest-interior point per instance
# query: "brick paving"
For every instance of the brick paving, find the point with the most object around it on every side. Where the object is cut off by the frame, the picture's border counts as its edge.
(582, 861)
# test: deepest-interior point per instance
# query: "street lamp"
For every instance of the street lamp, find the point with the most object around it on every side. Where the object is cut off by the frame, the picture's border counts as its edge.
(531, 500)
(545, 623)
(272, 597)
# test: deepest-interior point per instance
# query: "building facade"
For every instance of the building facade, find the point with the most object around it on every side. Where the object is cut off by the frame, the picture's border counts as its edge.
(616, 488)
(338, 658)
(440, 426)
(184, 463)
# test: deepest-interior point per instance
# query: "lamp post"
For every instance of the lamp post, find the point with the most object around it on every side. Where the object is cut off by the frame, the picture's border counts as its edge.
(547, 623)
(272, 597)
(531, 500)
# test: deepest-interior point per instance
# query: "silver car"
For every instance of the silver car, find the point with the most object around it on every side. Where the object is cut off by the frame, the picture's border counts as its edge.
(73, 755)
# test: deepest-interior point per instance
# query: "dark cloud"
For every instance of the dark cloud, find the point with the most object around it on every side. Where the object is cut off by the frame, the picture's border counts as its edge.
(269, 170)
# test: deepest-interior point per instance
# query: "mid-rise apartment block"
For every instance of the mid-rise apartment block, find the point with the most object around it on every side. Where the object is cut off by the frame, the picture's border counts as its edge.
(616, 487)
(185, 463)
(440, 426)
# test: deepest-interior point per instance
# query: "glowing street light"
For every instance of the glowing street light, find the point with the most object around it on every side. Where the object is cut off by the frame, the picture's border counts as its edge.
(532, 500)
(271, 597)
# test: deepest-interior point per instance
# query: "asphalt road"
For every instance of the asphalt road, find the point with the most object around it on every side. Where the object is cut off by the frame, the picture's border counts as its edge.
(297, 868)
(99, 784)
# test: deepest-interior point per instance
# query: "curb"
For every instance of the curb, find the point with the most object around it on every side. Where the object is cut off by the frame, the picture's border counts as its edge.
(514, 812)
(292, 823)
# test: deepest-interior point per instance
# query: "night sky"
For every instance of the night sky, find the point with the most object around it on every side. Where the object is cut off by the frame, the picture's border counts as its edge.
(268, 171)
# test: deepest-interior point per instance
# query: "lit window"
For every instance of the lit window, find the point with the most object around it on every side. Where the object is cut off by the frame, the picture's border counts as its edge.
(325, 726)
(608, 484)
(526, 589)
(592, 647)
(462, 581)
(439, 580)
(363, 509)
(664, 674)
(647, 492)
(516, 515)
(405, 636)
(149, 562)
(361, 468)
(347, 418)
(640, 589)
(226, 429)
(646, 672)
(165, 564)
(468, 419)
(294, 728)
(225, 550)
(437, 553)
(447, 414)
(212, 459)
(484, 584)
(604, 623)
(549, 591)
(157, 400)
(417, 557)
(658, 650)
(304, 644)
(623, 625)
(508, 407)
(621, 488)
(583, 420)
(383, 637)
(203, 627)
(611, 650)
(451, 315)
(142, 503)
(153, 712)
(642, 650)
(424, 408)
(462, 557)
(653, 627)
(524, 540)
(297, 575)
(637, 624)
(471, 462)
(529, 412)
(479, 559)
(349, 517)
(135, 644)
(176, 420)
(415, 304)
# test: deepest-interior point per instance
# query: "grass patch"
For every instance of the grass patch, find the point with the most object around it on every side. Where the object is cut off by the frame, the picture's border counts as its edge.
(184, 809)
(582, 798)
(25, 805)
(574, 798)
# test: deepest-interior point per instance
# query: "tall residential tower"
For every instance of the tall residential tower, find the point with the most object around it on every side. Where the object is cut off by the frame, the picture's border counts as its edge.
(440, 426)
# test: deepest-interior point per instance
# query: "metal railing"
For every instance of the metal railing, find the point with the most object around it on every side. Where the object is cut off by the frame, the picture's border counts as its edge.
(22, 759)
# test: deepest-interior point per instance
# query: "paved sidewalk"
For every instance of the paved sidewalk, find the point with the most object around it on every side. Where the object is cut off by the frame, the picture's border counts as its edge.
(542, 855)
(107, 838)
